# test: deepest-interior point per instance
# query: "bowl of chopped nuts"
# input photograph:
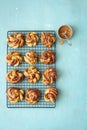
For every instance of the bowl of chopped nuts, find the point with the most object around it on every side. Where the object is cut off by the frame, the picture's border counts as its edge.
(64, 33)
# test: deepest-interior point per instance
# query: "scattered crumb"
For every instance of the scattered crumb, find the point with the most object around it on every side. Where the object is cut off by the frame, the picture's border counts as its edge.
(61, 41)
(70, 44)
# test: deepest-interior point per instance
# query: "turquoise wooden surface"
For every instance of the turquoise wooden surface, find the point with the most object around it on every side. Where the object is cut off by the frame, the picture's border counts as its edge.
(71, 109)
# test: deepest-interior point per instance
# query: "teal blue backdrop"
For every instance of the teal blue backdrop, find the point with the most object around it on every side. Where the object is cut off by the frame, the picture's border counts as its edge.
(71, 106)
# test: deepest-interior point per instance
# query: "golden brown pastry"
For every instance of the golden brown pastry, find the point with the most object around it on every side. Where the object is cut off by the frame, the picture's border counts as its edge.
(47, 39)
(49, 76)
(14, 76)
(47, 57)
(15, 40)
(50, 94)
(31, 57)
(15, 94)
(32, 74)
(32, 39)
(32, 95)
(14, 58)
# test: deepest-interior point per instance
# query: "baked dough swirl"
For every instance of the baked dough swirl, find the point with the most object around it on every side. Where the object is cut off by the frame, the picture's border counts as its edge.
(14, 58)
(47, 39)
(32, 74)
(50, 94)
(15, 40)
(31, 57)
(49, 76)
(32, 95)
(32, 39)
(15, 94)
(47, 57)
(14, 76)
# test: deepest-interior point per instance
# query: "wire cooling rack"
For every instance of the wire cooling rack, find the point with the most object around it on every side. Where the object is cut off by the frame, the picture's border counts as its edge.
(40, 66)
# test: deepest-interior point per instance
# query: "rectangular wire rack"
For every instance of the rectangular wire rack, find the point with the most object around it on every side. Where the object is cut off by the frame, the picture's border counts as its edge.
(40, 66)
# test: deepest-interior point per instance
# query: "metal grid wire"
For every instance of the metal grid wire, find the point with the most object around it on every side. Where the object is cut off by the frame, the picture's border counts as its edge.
(40, 66)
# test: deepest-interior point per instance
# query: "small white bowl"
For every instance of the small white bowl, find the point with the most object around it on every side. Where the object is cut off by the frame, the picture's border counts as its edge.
(69, 28)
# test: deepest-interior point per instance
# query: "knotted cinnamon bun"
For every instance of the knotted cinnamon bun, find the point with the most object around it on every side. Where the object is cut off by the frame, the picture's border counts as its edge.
(50, 94)
(32, 74)
(47, 57)
(15, 40)
(14, 58)
(49, 76)
(31, 57)
(47, 39)
(32, 95)
(32, 39)
(15, 94)
(14, 76)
